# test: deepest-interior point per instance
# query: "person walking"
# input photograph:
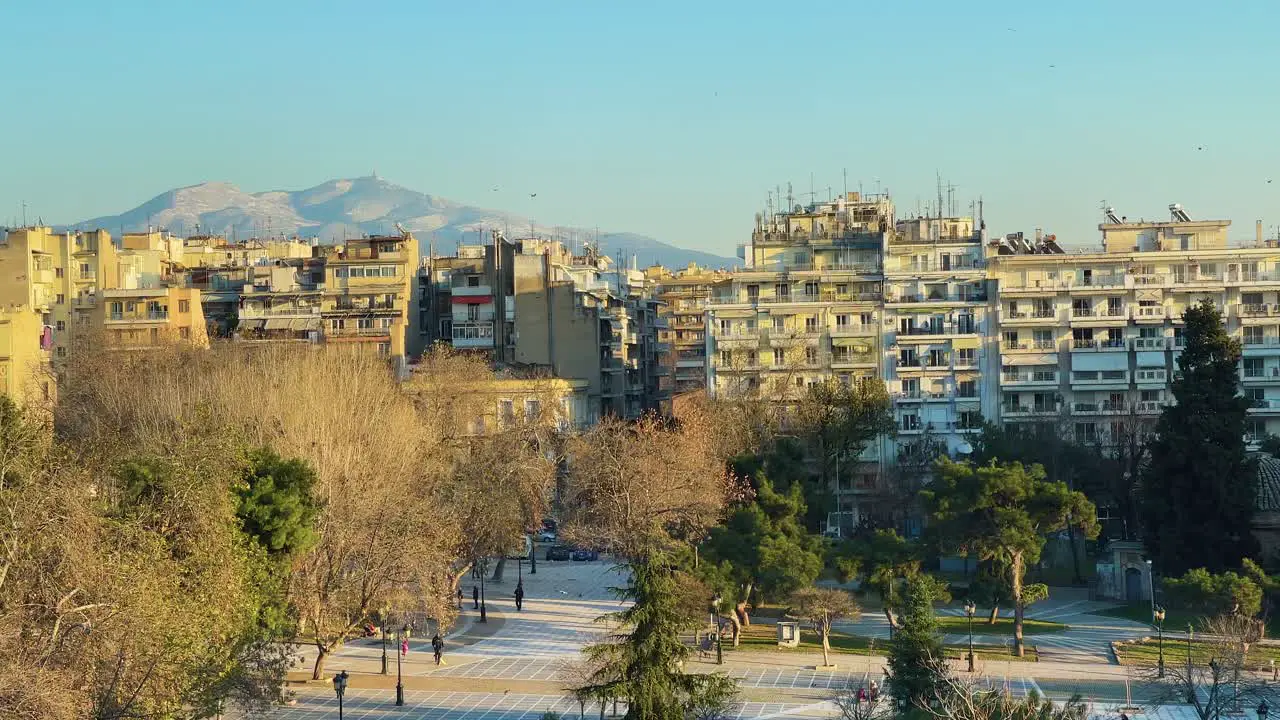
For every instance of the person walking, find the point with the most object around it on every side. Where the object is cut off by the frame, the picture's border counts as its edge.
(520, 595)
(437, 646)
(404, 647)
(475, 597)
(875, 692)
(459, 596)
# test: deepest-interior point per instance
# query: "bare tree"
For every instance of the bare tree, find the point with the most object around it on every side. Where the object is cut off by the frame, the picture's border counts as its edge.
(822, 607)
(1216, 678)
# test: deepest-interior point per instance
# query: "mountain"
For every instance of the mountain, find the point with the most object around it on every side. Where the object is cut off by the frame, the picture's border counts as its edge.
(354, 207)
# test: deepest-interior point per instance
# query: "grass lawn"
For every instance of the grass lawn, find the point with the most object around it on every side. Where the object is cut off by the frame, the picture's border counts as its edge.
(1175, 620)
(1003, 626)
(760, 636)
(1147, 653)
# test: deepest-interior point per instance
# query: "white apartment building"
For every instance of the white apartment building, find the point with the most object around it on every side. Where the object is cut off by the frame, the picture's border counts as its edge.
(1089, 341)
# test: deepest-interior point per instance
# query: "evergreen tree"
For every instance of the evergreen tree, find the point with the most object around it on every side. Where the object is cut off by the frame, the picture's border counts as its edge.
(1199, 488)
(917, 668)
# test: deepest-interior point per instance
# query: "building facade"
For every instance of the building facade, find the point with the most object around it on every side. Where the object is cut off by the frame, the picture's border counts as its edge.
(684, 295)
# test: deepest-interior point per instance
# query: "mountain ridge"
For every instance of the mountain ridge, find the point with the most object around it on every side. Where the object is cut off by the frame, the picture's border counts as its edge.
(353, 207)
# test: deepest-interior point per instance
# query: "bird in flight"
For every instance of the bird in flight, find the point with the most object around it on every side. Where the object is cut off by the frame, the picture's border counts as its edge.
(533, 195)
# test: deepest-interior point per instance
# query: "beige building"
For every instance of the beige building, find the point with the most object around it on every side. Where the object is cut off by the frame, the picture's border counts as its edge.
(1089, 341)
(684, 295)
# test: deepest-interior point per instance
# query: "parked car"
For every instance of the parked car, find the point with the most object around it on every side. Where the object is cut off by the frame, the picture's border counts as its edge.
(547, 536)
(582, 555)
(558, 552)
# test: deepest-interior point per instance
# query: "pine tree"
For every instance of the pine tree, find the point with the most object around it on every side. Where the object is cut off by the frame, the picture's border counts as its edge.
(1198, 491)
(917, 667)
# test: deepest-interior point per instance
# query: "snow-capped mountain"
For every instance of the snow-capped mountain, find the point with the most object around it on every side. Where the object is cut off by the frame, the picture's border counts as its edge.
(353, 207)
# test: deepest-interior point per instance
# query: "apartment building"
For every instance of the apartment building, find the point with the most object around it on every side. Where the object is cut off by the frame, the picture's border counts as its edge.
(1089, 341)
(684, 294)
(940, 365)
(509, 400)
(534, 303)
(808, 307)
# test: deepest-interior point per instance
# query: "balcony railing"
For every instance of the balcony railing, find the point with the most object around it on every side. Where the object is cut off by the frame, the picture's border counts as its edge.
(1150, 343)
(150, 316)
(1097, 344)
(1148, 312)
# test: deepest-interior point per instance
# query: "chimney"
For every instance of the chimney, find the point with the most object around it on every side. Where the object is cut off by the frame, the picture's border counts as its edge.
(1257, 232)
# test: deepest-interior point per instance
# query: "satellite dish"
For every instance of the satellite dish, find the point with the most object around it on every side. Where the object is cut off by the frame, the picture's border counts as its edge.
(964, 448)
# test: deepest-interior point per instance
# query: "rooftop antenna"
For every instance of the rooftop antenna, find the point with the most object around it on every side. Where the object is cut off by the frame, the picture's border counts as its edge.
(938, 208)
(811, 193)
(951, 204)
(24, 213)
(844, 175)
(791, 201)
(769, 204)
(981, 222)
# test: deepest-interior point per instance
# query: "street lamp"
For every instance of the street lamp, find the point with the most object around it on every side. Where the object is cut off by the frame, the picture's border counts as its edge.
(404, 631)
(384, 643)
(340, 687)
(969, 610)
(1151, 587)
(1158, 616)
(1191, 691)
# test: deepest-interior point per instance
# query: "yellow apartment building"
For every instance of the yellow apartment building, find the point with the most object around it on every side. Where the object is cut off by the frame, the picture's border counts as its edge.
(684, 295)
(149, 317)
(369, 284)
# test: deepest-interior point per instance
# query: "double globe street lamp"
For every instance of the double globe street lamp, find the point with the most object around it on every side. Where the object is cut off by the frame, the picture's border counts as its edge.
(340, 688)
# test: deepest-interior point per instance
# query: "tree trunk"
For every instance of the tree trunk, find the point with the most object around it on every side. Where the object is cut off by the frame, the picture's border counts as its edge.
(318, 671)
(888, 615)
(740, 609)
(826, 645)
(736, 624)
(1015, 570)
(497, 570)
(995, 613)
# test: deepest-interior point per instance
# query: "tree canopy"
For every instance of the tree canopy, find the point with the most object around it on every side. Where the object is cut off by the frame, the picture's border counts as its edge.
(1199, 489)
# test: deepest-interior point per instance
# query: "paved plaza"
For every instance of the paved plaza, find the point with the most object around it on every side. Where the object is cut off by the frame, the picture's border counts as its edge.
(515, 665)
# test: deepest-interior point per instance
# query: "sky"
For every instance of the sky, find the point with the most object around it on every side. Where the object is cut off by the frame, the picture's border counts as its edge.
(671, 119)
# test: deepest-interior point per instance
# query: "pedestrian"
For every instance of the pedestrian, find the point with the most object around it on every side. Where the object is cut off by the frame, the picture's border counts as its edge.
(862, 694)
(875, 691)
(475, 596)
(1275, 673)
(459, 597)
(520, 595)
(404, 647)
(437, 646)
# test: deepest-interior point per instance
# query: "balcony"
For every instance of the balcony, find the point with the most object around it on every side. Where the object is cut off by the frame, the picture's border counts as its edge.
(935, 299)
(1098, 344)
(1151, 376)
(151, 316)
(1102, 408)
(1151, 343)
(1265, 406)
(1101, 314)
(1150, 407)
(1029, 317)
(472, 335)
(1148, 313)
(1257, 311)
(801, 298)
(1036, 346)
(854, 330)
(1028, 410)
(1035, 378)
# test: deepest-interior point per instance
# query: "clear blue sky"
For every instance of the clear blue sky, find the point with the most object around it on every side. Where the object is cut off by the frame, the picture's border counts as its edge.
(666, 118)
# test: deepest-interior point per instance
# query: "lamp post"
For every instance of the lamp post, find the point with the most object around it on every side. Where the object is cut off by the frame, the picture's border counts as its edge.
(1158, 617)
(1151, 588)
(484, 616)
(399, 683)
(384, 643)
(339, 688)
(969, 610)
(1191, 690)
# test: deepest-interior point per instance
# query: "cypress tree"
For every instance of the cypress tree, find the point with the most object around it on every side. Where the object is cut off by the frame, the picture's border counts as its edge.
(1199, 488)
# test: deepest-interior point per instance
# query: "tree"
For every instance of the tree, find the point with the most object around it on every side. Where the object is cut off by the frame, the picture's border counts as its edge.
(879, 559)
(1003, 512)
(822, 607)
(1198, 490)
(1221, 594)
(917, 666)
(642, 491)
(762, 547)
(1217, 680)
(839, 420)
(276, 505)
(959, 699)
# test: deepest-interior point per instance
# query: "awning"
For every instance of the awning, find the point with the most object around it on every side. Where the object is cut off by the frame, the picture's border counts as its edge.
(310, 324)
(1012, 359)
(472, 299)
(1156, 296)
(250, 324)
(851, 342)
(277, 324)
(1148, 358)
(1099, 361)
(967, 343)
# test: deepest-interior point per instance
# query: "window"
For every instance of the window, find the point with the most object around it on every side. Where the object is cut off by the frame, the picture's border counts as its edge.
(811, 324)
(907, 357)
(338, 324)
(1256, 430)
(967, 389)
(811, 289)
(966, 356)
(1113, 306)
(1086, 432)
(726, 327)
(1253, 367)
(1252, 335)
(866, 319)
(473, 281)
(506, 412)
(910, 387)
(911, 422)
(726, 358)
(60, 326)
(155, 335)
(842, 322)
(60, 351)
(782, 290)
(779, 356)
(473, 313)
(842, 288)
(751, 358)
(1081, 307)
(84, 269)
(364, 323)
(388, 271)
(1010, 339)
(57, 272)
(964, 324)
(184, 306)
(1257, 396)
(970, 419)
(811, 355)
(753, 292)
(779, 323)
(184, 333)
(938, 358)
(340, 272)
(532, 409)
(446, 328)
(61, 298)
